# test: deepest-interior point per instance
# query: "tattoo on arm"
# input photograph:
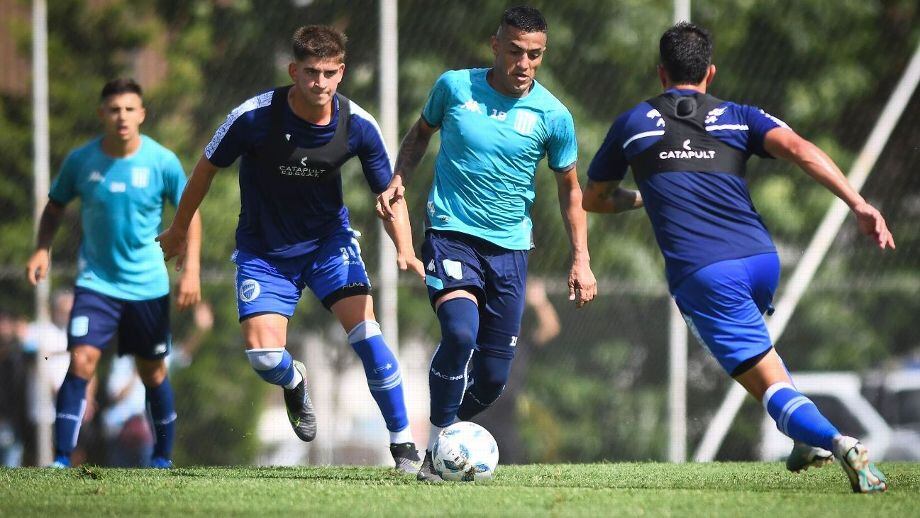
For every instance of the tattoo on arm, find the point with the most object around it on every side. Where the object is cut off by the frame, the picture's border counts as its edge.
(411, 151)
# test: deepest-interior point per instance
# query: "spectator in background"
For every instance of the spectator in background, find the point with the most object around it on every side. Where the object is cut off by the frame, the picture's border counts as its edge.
(128, 439)
(46, 344)
(12, 392)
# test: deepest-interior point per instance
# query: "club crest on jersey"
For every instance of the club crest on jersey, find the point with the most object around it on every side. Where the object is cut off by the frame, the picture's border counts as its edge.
(687, 152)
(140, 177)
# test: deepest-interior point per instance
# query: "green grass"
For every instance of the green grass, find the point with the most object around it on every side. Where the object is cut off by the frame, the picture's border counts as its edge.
(727, 489)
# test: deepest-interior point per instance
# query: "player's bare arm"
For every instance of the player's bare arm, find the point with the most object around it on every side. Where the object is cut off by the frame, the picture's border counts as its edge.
(582, 284)
(399, 229)
(174, 241)
(609, 198)
(787, 144)
(188, 289)
(40, 262)
(411, 151)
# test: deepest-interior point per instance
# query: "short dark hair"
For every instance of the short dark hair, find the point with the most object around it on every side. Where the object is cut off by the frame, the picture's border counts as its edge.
(318, 41)
(686, 53)
(121, 85)
(525, 18)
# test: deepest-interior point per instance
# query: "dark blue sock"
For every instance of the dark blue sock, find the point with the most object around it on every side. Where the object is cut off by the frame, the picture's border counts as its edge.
(488, 375)
(798, 417)
(71, 405)
(447, 377)
(163, 414)
(382, 371)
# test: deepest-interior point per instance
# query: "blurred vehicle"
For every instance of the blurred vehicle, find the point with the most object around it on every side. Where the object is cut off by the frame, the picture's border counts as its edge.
(840, 397)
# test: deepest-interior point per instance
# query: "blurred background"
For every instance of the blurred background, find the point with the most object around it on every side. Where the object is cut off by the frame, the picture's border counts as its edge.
(588, 385)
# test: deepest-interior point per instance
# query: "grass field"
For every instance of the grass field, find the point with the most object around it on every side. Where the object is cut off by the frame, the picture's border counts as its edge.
(623, 489)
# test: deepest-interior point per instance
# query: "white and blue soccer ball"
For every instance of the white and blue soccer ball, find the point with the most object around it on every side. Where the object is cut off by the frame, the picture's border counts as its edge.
(465, 452)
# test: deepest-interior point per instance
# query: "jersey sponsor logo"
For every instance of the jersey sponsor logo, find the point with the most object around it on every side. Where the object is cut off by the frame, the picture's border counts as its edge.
(140, 177)
(118, 187)
(79, 326)
(687, 152)
(453, 269)
(524, 122)
(306, 172)
(96, 177)
(303, 161)
(160, 348)
(249, 290)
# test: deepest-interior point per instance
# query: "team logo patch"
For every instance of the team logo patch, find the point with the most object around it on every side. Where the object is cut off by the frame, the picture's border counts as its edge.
(140, 177)
(79, 326)
(249, 290)
(524, 122)
(453, 269)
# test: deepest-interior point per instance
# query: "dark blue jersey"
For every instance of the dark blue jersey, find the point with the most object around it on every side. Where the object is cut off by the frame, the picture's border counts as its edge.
(290, 204)
(699, 216)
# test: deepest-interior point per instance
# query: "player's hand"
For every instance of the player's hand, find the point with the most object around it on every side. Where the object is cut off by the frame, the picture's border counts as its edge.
(391, 196)
(38, 265)
(582, 284)
(188, 291)
(174, 243)
(411, 263)
(872, 224)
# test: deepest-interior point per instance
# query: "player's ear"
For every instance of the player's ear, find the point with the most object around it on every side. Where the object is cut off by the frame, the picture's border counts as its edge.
(292, 71)
(494, 43)
(710, 74)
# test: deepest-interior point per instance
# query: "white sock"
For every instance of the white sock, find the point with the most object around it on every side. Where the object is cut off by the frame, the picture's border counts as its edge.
(295, 380)
(433, 436)
(402, 436)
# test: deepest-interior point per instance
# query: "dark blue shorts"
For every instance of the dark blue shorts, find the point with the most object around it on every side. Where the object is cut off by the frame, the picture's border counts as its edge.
(333, 271)
(496, 275)
(142, 326)
(723, 304)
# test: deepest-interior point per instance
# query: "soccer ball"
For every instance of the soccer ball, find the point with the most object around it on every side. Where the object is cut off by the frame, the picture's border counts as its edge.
(465, 452)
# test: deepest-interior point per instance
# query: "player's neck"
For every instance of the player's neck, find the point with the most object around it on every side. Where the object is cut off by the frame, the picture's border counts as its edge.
(118, 148)
(701, 88)
(319, 115)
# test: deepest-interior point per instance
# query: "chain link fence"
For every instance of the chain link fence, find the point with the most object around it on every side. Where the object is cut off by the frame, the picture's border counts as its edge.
(597, 388)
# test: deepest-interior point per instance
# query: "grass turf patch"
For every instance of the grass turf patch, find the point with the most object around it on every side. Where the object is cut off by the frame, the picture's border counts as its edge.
(731, 489)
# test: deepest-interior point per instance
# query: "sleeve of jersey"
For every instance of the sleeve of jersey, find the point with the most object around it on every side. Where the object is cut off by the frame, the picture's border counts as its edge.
(759, 124)
(366, 139)
(433, 112)
(229, 141)
(610, 164)
(562, 147)
(173, 179)
(64, 188)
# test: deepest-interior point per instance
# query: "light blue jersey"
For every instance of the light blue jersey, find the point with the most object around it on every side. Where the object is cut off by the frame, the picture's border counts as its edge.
(121, 210)
(490, 147)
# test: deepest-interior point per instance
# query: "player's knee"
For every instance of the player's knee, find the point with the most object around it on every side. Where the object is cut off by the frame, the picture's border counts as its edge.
(459, 320)
(151, 372)
(83, 361)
